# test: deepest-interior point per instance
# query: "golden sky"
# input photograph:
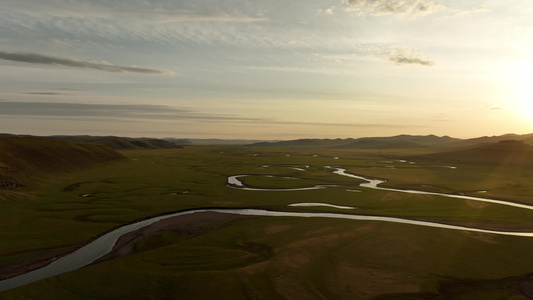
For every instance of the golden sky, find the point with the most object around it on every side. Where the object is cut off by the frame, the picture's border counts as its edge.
(266, 69)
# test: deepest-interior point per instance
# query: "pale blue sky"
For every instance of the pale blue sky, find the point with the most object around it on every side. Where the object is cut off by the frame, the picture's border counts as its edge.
(266, 69)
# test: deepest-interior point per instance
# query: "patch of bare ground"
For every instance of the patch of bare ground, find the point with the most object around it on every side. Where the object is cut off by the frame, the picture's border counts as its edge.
(188, 225)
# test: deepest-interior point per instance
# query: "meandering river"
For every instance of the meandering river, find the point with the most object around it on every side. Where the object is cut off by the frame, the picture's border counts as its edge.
(104, 244)
(373, 184)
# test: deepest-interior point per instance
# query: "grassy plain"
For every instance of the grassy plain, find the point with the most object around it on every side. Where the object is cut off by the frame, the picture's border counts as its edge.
(277, 257)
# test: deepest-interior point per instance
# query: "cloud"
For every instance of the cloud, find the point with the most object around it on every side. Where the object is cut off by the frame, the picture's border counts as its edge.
(398, 54)
(94, 23)
(165, 16)
(328, 11)
(481, 9)
(139, 113)
(35, 58)
(337, 59)
(353, 125)
(403, 60)
(392, 7)
(402, 55)
(111, 111)
(356, 5)
(345, 62)
(45, 93)
(136, 11)
(426, 8)
(296, 69)
(477, 9)
(69, 89)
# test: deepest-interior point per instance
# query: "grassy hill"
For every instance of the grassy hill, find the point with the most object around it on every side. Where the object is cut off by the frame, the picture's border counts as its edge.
(507, 152)
(23, 159)
(118, 143)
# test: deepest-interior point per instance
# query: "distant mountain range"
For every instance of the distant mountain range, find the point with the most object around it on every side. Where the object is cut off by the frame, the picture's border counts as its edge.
(214, 141)
(403, 141)
(395, 142)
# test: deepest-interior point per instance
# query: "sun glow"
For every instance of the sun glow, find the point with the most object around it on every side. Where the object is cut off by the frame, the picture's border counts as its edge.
(520, 84)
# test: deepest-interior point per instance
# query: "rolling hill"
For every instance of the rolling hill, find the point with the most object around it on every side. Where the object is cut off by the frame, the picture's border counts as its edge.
(506, 152)
(381, 144)
(23, 160)
(394, 142)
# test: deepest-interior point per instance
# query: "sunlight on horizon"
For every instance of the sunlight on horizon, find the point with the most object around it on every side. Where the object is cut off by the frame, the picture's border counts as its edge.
(520, 90)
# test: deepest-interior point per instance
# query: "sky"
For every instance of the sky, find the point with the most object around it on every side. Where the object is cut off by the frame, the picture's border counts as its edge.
(266, 69)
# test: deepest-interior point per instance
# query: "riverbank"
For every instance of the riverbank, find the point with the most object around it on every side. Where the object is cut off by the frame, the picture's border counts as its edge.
(185, 226)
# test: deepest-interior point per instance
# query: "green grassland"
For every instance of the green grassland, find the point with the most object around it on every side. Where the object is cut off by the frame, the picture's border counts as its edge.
(276, 257)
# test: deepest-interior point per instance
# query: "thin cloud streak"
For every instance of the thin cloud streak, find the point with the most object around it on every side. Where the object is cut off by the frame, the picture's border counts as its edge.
(354, 125)
(161, 16)
(45, 93)
(497, 107)
(130, 112)
(35, 58)
(127, 111)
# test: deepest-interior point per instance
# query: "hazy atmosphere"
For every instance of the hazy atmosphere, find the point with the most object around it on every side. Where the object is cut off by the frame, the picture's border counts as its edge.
(266, 69)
